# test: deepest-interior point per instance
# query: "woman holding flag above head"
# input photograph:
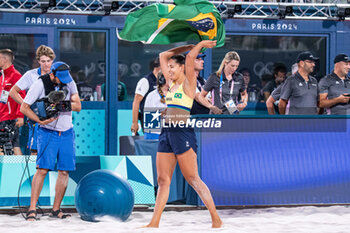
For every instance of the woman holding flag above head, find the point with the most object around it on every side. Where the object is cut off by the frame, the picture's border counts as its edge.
(185, 20)
(176, 143)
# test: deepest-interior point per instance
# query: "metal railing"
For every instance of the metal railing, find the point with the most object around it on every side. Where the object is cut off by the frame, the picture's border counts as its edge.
(310, 9)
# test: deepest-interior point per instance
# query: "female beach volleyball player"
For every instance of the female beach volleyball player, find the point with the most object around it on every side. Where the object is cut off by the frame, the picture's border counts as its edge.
(178, 144)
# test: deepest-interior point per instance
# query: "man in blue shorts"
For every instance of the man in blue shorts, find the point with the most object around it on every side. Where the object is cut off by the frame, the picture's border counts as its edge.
(55, 136)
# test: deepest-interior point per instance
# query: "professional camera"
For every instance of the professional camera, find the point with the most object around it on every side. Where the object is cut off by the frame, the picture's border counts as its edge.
(7, 132)
(51, 105)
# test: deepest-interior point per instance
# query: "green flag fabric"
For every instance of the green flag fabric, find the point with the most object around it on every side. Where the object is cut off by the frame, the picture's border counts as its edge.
(185, 20)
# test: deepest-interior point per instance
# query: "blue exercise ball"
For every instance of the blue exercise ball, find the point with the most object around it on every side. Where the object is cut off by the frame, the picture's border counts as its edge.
(104, 193)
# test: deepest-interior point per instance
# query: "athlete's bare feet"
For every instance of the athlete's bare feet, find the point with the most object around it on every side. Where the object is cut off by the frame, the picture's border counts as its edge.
(217, 223)
(150, 226)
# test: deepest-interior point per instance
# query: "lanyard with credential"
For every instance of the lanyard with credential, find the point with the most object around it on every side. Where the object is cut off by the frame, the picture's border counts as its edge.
(231, 90)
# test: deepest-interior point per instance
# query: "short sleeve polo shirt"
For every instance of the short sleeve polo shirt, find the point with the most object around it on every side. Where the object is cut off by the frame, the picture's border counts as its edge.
(334, 87)
(303, 96)
(213, 84)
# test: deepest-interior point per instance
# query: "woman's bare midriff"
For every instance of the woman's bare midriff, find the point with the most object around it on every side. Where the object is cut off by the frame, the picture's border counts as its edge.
(176, 116)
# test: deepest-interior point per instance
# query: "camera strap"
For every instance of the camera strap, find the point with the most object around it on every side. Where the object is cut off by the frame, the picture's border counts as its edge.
(49, 85)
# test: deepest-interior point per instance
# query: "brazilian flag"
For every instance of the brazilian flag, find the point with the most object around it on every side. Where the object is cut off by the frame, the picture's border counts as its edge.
(185, 20)
(178, 95)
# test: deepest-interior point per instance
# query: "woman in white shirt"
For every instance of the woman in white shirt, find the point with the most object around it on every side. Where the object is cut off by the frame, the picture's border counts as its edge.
(45, 57)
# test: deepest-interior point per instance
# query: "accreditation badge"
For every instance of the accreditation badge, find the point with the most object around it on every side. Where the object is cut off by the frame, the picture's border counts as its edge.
(231, 106)
(4, 96)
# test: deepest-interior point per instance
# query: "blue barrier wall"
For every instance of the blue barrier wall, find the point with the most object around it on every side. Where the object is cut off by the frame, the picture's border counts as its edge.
(89, 126)
(277, 161)
(136, 169)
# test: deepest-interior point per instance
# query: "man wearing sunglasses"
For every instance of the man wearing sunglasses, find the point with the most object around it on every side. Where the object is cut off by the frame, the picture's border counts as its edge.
(55, 136)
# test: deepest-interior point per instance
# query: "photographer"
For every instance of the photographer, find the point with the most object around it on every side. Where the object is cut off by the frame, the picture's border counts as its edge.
(55, 135)
(11, 119)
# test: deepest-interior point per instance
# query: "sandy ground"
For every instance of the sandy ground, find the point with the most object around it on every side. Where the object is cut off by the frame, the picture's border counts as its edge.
(282, 219)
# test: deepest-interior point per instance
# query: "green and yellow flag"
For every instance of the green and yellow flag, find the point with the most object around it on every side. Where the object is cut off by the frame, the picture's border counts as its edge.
(185, 20)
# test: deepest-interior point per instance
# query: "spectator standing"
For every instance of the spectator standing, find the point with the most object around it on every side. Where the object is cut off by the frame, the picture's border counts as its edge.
(226, 85)
(334, 89)
(143, 88)
(200, 104)
(273, 100)
(301, 88)
(155, 101)
(252, 88)
(45, 56)
(279, 75)
(85, 90)
(10, 114)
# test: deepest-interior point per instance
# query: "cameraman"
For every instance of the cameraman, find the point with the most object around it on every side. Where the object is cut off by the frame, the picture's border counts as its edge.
(55, 136)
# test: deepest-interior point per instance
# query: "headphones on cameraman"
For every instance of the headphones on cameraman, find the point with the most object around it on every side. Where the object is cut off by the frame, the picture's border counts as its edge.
(61, 67)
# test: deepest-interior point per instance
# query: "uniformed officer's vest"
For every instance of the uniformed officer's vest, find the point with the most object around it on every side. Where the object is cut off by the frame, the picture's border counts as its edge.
(197, 108)
(152, 81)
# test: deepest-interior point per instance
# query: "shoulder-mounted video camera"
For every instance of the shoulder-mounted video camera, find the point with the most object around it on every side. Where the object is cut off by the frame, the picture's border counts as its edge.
(7, 133)
(51, 105)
